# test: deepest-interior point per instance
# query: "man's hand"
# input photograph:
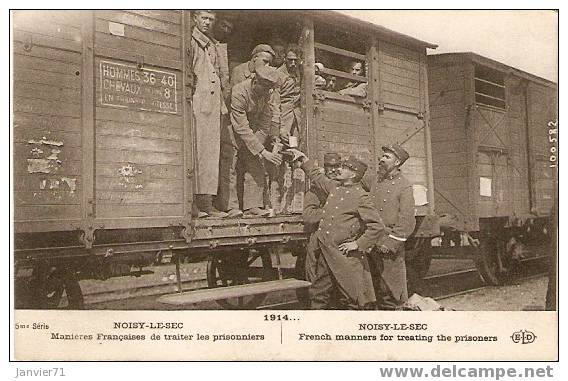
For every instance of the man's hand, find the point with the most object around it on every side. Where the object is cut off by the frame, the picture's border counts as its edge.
(274, 158)
(298, 155)
(383, 249)
(348, 246)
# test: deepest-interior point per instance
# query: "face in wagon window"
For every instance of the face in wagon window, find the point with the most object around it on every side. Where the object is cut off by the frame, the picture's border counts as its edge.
(204, 21)
(357, 68)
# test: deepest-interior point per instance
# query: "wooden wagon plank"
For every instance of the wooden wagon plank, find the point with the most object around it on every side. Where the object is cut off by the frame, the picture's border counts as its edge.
(401, 100)
(47, 41)
(46, 92)
(344, 137)
(139, 21)
(329, 114)
(139, 197)
(137, 157)
(412, 83)
(47, 197)
(44, 107)
(139, 117)
(139, 47)
(37, 181)
(140, 34)
(62, 17)
(47, 78)
(140, 210)
(53, 55)
(399, 73)
(137, 144)
(173, 16)
(49, 29)
(46, 212)
(401, 89)
(69, 139)
(151, 171)
(133, 57)
(168, 132)
(387, 59)
(22, 61)
(22, 151)
(118, 183)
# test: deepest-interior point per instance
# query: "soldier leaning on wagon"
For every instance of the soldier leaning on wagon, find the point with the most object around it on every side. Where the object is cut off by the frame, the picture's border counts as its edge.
(392, 195)
(350, 225)
(208, 105)
(252, 121)
(228, 199)
(314, 200)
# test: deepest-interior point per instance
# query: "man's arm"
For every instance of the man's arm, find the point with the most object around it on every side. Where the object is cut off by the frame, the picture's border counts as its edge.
(317, 177)
(312, 213)
(373, 223)
(399, 233)
(241, 127)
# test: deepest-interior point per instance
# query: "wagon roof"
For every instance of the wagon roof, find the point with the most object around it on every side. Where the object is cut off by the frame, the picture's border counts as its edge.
(368, 27)
(481, 60)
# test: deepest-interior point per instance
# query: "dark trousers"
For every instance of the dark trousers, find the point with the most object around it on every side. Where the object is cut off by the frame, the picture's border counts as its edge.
(325, 292)
(385, 299)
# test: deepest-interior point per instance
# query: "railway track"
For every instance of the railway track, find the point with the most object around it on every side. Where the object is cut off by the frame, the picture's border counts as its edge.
(438, 286)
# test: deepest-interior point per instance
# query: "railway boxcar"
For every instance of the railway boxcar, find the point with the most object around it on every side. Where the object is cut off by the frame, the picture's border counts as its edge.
(494, 133)
(103, 143)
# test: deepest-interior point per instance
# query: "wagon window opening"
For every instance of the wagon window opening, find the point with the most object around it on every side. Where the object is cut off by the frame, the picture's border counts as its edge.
(341, 62)
(489, 87)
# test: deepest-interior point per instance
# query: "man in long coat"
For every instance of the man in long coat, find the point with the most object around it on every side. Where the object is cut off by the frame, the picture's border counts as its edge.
(208, 105)
(349, 227)
(393, 197)
(251, 118)
(314, 200)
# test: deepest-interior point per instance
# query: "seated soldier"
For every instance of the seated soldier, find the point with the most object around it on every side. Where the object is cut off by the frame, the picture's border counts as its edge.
(355, 88)
(252, 121)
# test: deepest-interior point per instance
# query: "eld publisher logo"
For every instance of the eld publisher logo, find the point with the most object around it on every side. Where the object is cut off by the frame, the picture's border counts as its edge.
(523, 337)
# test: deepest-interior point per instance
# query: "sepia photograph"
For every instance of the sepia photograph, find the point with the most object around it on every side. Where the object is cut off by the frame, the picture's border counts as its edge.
(291, 165)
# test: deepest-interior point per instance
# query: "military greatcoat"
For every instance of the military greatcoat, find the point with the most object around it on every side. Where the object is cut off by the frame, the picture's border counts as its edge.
(347, 215)
(208, 104)
(394, 200)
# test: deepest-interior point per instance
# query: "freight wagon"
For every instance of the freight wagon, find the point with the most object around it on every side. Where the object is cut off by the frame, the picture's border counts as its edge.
(103, 145)
(494, 132)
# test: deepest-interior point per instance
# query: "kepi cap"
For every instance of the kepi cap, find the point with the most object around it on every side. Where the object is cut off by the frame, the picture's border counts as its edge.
(267, 74)
(355, 165)
(398, 151)
(263, 48)
(331, 158)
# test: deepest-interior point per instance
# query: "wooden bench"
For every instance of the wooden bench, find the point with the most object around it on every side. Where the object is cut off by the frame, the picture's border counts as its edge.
(213, 294)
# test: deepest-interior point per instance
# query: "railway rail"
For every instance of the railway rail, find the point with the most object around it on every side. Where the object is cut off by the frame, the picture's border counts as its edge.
(438, 286)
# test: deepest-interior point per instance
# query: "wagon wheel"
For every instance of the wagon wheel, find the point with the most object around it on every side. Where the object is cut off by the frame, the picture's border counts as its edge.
(237, 269)
(55, 288)
(491, 261)
(418, 260)
(302, 294)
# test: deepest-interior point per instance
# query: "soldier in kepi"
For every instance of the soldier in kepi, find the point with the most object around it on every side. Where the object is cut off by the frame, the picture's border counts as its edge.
(253, 126)
(392, 196)
(349, 227)
(314, 200)
(208, 105)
